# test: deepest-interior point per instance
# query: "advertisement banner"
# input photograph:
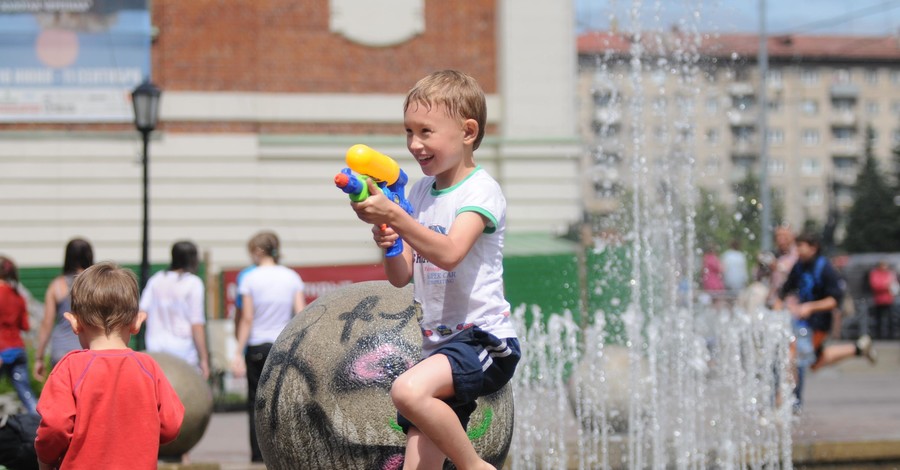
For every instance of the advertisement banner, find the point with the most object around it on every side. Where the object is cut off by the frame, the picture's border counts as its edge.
(72, 60)
(317, 280)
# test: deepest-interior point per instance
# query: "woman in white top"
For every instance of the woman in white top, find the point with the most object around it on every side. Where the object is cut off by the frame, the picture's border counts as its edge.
(174, 302)
(272, 294)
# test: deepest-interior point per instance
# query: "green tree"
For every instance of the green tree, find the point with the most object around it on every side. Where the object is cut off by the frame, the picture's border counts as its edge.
(872, 220)
(713, 221)
(748, 213)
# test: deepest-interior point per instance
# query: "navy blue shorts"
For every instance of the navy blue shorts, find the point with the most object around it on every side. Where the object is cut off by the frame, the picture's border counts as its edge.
(481, 364)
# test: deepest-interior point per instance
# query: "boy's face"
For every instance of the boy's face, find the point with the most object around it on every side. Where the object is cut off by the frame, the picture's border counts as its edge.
(442, 144)
(805, 251)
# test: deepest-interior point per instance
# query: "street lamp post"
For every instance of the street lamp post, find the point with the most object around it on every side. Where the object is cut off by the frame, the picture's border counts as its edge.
(145, 99)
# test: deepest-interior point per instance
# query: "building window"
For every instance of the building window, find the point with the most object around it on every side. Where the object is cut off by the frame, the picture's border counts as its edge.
(776, 166)
(659, 134)
(812, 196)
(810, 107)
(711, 166)
(743, 103)
(685, 104)
(895, 77)
(843, 104)
(843, 135)
(810, 166)
(872, 108)
(712, 105)
(809, 76)
(605, 98)
(742, 134)
(712, 136)
(895, 136)
(774, 77)
(774, 104)
(775, 136)
(842, 76)
(659, 76)
(871, 76)
(895, 107)
(810, 136)
(659, 104)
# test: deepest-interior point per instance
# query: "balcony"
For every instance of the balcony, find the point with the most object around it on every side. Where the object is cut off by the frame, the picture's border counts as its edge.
(843, 118)
(744, 147)
(742, 117)
(844, 90)
(845, 178)
(607, 116)
(741, 89)
(846, 148)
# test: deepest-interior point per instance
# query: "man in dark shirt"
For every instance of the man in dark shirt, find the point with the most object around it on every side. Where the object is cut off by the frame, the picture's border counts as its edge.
(813, 290)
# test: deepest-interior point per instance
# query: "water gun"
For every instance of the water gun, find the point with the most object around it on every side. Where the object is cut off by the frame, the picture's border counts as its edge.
(368, 163)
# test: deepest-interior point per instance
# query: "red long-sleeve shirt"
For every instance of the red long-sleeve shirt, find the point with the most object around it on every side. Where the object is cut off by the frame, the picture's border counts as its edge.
(13, 318)
(106, 409)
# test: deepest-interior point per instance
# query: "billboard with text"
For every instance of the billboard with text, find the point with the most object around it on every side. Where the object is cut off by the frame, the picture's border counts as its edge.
(72, 60)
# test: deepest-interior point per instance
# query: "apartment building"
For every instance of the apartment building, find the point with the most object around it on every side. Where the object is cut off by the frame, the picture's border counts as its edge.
(701, 94)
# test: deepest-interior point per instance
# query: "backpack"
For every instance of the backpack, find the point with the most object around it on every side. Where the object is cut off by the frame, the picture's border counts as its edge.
(17, 433)
(810, 279)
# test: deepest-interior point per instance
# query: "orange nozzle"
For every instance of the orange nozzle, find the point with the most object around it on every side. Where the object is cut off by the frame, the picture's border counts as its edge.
(341, 180)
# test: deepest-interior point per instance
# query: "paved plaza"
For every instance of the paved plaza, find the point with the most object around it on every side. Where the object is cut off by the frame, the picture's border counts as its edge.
(851, 415)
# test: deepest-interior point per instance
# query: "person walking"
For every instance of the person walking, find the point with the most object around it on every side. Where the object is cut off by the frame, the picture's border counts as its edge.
(14, 320)
(176, 315)
(883, 286)
(734, 269)
(272, 295)
(54, 329)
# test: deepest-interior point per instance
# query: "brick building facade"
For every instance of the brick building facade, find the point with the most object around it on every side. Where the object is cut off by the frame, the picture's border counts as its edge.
(261, 100)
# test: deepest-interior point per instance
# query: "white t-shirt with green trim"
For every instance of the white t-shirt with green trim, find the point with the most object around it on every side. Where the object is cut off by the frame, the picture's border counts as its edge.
(472, 294)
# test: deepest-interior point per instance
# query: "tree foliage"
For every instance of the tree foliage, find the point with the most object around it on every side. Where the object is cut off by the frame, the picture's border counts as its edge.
(872, 221)
(718, 223)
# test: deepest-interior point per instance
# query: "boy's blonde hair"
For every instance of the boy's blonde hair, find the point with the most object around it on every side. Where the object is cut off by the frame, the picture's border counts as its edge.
(457, 92)
(105, 296)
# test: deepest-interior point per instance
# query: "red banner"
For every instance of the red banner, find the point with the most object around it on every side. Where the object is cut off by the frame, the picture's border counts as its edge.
(317, 280)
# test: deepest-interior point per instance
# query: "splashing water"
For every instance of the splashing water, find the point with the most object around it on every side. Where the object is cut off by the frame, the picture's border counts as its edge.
(657, 380)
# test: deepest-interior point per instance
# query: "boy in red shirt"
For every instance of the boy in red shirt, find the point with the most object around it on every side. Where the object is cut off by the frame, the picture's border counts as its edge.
(106, 406)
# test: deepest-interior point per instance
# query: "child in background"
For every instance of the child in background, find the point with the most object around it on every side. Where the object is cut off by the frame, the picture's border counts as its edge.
(106, 406)
(14, 320)
(453, 252)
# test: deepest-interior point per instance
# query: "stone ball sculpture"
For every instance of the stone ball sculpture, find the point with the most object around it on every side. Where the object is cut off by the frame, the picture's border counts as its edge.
(599, 387)
(195, 395)
(323, 399)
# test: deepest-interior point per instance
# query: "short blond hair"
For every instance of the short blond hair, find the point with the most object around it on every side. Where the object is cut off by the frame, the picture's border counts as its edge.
(457, 92)
(105, 296)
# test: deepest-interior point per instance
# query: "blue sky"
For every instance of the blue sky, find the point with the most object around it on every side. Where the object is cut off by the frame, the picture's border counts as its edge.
(854, 17)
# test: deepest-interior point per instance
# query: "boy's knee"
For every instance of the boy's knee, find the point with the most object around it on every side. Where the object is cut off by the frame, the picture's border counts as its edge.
(403, 393)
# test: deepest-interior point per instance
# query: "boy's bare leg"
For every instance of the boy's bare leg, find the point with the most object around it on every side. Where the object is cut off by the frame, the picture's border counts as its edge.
(421, 453)
(418, 394)
(834, 354)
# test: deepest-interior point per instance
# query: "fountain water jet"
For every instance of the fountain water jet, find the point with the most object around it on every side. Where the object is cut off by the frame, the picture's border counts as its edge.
(660, 380)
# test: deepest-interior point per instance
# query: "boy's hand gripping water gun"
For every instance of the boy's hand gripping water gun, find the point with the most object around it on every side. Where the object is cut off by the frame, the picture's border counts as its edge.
(384, 171)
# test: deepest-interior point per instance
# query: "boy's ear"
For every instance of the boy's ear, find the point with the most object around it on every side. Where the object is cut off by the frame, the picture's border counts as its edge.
(470, 130)
(138, 321)
(73, 320)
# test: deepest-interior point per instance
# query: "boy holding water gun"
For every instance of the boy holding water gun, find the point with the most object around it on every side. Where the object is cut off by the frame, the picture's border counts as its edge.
(453, 253)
